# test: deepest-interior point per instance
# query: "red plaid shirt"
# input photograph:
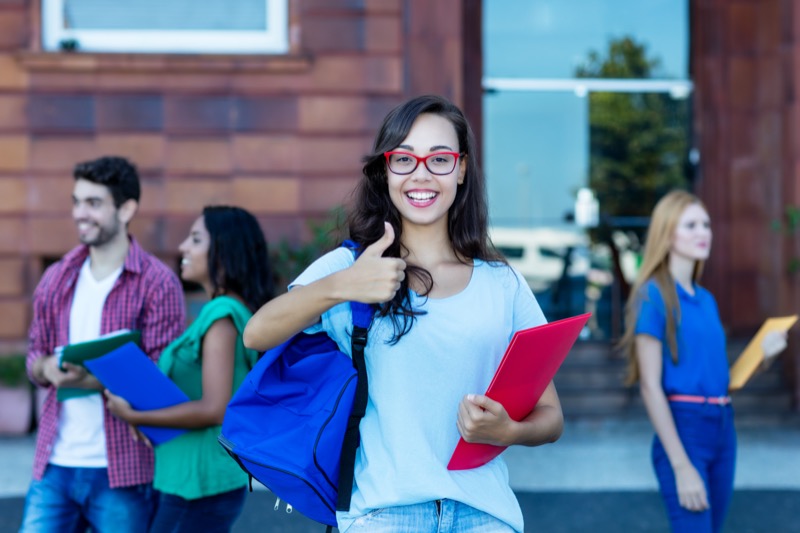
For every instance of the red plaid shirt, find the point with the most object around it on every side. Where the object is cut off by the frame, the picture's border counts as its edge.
(147, 296)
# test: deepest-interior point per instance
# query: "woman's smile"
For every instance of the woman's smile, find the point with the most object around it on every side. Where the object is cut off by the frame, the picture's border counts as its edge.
(421, 197)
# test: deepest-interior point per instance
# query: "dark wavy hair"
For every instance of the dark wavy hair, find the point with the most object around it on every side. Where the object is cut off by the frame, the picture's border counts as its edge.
(116, 173)
(238, 259)
(467, 217)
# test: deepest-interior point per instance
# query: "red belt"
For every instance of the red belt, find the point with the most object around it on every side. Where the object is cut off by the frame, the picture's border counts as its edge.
(715, 400)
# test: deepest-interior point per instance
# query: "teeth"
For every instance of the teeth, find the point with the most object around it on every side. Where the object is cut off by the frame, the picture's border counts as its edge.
(421, 195)
(185, 261)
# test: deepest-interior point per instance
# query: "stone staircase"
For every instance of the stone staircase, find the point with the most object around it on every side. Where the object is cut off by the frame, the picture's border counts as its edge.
(590, 385)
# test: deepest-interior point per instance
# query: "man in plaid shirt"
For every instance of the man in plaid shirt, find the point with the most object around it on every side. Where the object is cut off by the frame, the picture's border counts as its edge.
(88, 470)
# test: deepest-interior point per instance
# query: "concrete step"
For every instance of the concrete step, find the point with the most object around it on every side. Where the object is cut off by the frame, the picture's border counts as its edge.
(628, 402)
(601, 404)
(590, 383)
(585, 352)
(589, 379)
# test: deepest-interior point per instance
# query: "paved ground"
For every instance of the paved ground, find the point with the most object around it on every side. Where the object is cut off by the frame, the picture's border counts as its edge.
(597, 478)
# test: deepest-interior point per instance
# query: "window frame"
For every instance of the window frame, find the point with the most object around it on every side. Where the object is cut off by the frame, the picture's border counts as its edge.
(273, 40)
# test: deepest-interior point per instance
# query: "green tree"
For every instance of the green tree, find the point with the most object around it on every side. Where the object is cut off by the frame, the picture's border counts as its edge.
(638, 141)
(289, 259)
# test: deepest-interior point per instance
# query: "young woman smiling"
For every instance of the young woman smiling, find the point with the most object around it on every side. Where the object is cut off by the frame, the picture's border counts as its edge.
(446, 307)
(201, 488)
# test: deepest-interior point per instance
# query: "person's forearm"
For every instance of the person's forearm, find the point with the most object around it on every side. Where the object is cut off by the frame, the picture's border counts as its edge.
(661, 417)
(291, 313)
(543, 426)
(188, 415)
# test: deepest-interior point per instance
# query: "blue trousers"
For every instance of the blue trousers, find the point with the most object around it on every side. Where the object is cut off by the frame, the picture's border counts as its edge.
(71, 499)
(212, 514)
(709, 438)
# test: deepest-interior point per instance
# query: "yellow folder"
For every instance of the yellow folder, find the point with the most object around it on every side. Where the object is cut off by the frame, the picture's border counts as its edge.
(753, 355)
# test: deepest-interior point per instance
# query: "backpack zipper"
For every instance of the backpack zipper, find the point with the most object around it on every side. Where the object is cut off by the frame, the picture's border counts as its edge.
(277, 506)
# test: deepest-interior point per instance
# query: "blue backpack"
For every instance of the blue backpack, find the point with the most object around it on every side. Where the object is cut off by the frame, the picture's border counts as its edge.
(293, 423)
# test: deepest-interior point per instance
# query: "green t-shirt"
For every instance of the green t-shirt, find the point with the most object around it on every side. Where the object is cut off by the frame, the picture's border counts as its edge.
(194, 465)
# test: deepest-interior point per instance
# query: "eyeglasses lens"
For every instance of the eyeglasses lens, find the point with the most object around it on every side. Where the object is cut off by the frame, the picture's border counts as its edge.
(438, 164)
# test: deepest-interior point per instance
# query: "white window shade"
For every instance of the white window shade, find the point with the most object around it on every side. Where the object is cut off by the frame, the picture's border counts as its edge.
(166, 26)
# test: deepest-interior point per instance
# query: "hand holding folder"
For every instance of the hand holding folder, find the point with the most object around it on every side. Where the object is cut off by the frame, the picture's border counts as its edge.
(531, 360)
(80, 352)
(129, 373)
(753, 354)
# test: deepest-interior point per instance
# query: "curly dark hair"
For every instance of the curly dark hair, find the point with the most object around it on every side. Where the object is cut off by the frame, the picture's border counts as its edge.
(116, 173)
(467, 217)
(238, 259)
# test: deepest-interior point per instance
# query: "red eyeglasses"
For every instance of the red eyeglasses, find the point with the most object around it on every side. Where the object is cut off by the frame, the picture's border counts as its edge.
(437, 163)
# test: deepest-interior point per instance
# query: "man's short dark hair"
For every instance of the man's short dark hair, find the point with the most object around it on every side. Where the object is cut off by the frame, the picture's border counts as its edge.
(116, 173)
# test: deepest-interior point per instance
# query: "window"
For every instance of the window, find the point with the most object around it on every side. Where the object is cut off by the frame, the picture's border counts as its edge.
(589, 96)
(166, 26)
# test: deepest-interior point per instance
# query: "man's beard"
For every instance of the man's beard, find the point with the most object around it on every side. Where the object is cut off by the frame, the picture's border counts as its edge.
(104, 235)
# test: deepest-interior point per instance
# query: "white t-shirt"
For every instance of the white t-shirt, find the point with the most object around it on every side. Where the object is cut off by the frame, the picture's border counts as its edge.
(81, 440)
(415, 386)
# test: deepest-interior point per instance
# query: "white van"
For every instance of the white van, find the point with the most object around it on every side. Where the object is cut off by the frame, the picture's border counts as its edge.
(539, 253)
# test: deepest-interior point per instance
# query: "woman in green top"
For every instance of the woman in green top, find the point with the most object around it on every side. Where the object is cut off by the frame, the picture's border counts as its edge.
(201, 487)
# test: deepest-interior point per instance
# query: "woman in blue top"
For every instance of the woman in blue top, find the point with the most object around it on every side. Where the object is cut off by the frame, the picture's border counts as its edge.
(200, 487)
(447, 306)
(676, 345)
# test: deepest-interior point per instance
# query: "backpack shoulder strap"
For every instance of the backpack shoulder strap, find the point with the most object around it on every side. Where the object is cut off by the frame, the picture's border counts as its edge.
(362, 318)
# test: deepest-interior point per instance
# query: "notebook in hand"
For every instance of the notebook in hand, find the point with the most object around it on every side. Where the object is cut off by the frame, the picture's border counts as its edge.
(80, 352)
(531, 360)
(128, 372)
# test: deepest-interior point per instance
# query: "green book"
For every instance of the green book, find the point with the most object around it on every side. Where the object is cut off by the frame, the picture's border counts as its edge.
(80, 352)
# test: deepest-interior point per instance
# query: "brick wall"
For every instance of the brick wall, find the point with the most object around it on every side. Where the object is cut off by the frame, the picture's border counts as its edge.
(745, 65)
(742, 53)
(279, 135)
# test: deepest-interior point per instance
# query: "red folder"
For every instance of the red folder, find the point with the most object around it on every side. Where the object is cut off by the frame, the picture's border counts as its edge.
(531, 360)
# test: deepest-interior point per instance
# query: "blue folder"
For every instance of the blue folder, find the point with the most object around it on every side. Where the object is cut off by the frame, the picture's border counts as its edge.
(129, 373)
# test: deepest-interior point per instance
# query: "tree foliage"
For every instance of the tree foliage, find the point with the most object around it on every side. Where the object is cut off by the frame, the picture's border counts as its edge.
(289, 259)
(638, 141)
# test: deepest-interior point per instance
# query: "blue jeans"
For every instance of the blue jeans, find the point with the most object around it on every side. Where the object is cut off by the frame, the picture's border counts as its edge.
(709, 438)
(69, 500)
(212, 514)
(440, 516)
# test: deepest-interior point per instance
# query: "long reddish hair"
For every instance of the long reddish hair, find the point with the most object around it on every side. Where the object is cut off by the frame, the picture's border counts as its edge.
(655, 266)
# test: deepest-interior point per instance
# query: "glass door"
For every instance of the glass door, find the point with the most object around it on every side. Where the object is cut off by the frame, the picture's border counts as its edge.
(586, 125)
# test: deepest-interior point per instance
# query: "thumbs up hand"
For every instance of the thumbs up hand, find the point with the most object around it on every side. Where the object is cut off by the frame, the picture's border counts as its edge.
(374, 278)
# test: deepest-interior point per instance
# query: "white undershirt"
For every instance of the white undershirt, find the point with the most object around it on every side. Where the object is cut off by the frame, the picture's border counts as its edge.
(81, 440)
